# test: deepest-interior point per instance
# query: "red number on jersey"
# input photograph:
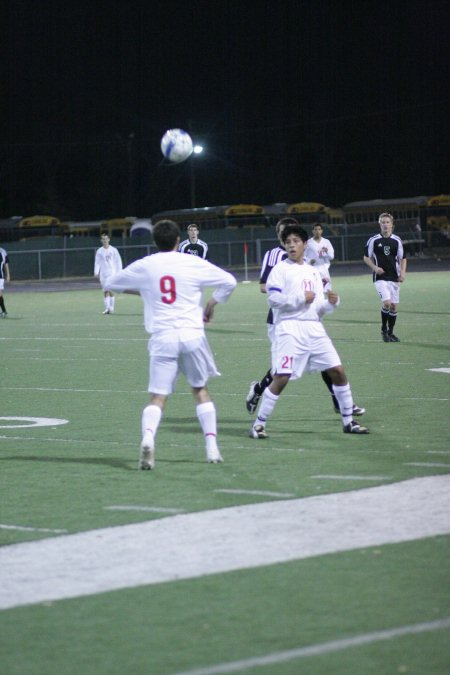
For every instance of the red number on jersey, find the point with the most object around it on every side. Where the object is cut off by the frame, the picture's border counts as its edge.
(168, 290)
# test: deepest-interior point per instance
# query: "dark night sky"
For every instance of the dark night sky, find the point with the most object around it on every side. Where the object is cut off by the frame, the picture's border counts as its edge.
(328, 101)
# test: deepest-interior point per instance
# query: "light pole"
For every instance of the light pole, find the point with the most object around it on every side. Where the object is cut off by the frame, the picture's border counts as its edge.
(198, 149)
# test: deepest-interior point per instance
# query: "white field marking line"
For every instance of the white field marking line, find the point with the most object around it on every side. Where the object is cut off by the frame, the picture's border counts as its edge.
(193, 545)
(440, 370)
(336, 477)
(76, 391)
(261, 493)
(432, 464)
(30, 529)
(67, 440)
(64, 360)
(321, 648)
(217, 394)
(437, 452)
(153, 509)
(78, 339)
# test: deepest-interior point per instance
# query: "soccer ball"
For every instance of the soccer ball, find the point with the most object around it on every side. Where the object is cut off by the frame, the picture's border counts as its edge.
(176, 145)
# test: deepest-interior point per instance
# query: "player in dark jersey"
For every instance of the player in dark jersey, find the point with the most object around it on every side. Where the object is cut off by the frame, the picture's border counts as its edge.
(193, 244)
(385, 256)
(272, 258)
(4, 276)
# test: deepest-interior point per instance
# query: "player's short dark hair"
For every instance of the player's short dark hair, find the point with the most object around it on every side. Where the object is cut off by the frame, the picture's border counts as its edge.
(165, 234)
(192, 225)
(294, 229)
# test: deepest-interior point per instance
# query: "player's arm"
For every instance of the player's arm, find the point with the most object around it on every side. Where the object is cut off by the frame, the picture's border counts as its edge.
(402, 274)
(370, 263)
(7, 274)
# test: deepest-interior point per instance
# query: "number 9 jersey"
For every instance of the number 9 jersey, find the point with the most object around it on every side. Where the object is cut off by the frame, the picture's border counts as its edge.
(171, 285)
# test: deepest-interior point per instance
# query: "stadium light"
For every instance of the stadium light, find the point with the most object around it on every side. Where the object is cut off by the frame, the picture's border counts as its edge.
(198, 149)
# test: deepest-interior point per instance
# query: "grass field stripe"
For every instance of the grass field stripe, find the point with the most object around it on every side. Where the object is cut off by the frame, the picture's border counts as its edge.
(430, 464)
(151, 509)
(321, 648)
(30, 529)
(336, 477)
(193, 545)
(261, 493)
(73, 339)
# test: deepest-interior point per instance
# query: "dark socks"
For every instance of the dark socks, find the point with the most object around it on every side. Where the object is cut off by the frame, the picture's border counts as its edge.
(267, 379)
(327, 379)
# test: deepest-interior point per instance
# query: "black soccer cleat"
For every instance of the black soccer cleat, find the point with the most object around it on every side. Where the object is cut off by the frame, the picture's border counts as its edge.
(355, 428)
(385, 336)
(393, 338)
(252, 400)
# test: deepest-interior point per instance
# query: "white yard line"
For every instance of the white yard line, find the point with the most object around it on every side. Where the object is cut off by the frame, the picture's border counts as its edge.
(320, 649)
(433, 465)
(261, 493)
(151, 509)
(30, 529)
(332, 477)
(193, 545)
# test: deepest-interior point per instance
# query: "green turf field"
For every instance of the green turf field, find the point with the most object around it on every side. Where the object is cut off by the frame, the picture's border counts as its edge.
(62, 359)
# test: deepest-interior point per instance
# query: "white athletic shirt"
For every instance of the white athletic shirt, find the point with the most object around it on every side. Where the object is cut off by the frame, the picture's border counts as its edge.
(107, 262)
(286, 288)
(313, 251)
(171, 284)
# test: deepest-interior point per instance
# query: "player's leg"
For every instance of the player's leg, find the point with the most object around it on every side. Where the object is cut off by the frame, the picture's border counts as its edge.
(207, 417)
(357, 410)
(112, 301)
(163, 373)
(106, 302)
(268, 403)
(256, 391)
(343, 393)
(383, 291)
(392, 318)
(197, 363)
(3, 313)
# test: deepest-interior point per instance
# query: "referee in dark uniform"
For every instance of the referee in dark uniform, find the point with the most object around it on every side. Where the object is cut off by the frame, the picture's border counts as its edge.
(385, 256)
(193, 244)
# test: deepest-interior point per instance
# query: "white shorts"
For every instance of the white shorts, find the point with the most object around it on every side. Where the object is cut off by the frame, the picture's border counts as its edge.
(2, 284)
(302, 346)
(388, 290)
(192, 357)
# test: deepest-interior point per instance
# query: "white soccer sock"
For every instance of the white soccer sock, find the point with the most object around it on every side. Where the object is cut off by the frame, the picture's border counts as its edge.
(344, 396)
(206, 413)
(111, 303)
(106, 301)
(267, 405)
(151, 417)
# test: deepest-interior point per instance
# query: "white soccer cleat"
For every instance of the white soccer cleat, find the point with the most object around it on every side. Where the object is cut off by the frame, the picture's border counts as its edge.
(258, 431)
(214, 456)
(147, 458)
(106, 311)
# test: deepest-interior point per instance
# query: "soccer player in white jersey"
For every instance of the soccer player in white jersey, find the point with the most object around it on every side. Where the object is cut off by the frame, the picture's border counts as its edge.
(171, 285)
(295, 294)
(272, 258)
(320, 252)
(107, 262)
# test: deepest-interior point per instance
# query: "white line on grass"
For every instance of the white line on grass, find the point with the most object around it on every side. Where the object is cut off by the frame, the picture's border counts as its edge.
(193, 545)
(30, 529)
(332, 477)
(321, 648)
(155, 509)
(431, 464)
(262, 493)
(439, 370)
